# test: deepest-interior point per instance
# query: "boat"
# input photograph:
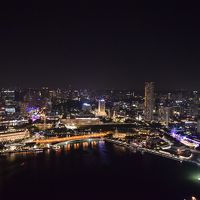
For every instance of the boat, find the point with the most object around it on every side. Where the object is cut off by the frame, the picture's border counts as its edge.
(37, 150)
(56, 147)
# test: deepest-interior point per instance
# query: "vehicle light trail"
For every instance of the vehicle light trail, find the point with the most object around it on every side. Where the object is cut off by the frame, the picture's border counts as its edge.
(79, 137)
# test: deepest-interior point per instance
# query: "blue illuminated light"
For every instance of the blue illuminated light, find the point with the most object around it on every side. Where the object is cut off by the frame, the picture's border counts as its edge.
(174, 133)
(86, 104)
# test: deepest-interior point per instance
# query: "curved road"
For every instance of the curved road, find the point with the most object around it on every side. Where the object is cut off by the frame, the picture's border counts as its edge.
(79, 137)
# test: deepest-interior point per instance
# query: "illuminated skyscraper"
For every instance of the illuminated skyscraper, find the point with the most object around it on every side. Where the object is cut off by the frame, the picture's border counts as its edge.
(198, 125)
(101, 108)
(8, 98)
(164, 115)
(149, 101)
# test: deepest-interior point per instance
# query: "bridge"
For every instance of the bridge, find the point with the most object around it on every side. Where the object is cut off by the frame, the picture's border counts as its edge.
(64, 139)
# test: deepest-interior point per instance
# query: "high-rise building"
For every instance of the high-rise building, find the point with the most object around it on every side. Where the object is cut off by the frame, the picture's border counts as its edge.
(8, 98)
(101, 108)
(149, 101)
(198, 125)
(164, 115)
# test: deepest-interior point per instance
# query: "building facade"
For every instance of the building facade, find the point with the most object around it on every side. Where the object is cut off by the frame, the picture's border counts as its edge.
(149, 101)
(101, 108)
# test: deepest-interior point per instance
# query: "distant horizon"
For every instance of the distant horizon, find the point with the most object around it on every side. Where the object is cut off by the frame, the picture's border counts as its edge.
(157, 89)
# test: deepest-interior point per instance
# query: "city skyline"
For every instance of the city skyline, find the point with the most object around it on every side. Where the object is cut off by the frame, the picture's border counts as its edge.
(88, 129)
(99, 100)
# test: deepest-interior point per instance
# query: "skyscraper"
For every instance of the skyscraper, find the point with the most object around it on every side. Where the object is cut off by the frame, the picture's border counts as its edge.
(101, 108)
(198, 125)
(149, 101)
(164, 115)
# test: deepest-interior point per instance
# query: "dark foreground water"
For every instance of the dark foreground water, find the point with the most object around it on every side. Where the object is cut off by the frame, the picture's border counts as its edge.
(96, 170)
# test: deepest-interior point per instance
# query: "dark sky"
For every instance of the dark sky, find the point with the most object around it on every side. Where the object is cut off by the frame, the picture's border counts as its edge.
(99, 45)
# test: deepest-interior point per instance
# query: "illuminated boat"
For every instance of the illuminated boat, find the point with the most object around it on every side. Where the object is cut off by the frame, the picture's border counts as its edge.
(71, 126)
(56, 147)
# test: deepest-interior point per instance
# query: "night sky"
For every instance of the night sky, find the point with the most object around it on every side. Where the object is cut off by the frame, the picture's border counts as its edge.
(99, 45)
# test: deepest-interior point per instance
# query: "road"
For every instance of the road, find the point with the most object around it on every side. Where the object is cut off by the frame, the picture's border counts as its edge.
(79, 137)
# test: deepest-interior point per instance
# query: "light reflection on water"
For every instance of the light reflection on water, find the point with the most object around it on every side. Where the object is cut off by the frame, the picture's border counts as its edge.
(67, 147)
(75, 145)
(97, 154)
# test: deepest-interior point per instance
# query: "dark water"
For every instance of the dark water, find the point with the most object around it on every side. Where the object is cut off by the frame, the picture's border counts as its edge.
(96, 170)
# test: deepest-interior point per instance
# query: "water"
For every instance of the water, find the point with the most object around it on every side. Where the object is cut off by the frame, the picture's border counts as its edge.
(96, 170)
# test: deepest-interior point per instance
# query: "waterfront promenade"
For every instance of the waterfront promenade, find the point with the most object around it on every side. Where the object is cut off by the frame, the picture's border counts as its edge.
(164, 154)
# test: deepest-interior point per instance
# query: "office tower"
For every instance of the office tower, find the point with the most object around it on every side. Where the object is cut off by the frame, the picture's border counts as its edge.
(101, 108)
(195, 97)
(8, 98)
(164, 115)
(149, 101)
(198, 125)
(169, 96)
(194, 107)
